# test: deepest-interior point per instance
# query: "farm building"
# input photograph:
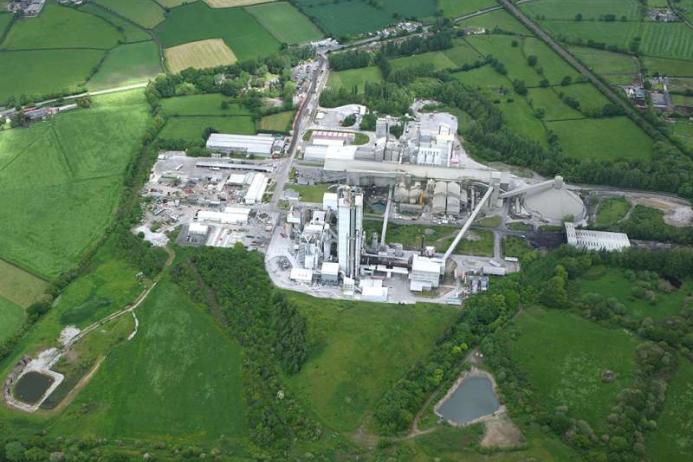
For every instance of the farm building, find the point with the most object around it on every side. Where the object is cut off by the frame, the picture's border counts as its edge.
(262, 145)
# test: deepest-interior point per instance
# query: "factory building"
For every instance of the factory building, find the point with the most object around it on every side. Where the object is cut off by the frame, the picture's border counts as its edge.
(256, 190)
(595, 240)
(320, 152)
(350, 230)
(230, 216)
(261, 145)
(425, 273)
(329, 201)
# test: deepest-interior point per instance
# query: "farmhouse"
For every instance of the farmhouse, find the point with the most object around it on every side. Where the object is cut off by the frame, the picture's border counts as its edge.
(262, 145)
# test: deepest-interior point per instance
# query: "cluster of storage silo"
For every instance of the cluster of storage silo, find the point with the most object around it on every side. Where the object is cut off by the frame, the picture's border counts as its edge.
(448, 198)
(413, 194)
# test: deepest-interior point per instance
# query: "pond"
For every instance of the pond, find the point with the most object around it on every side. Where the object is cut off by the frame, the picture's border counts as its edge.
(472, 399)
(32, 386)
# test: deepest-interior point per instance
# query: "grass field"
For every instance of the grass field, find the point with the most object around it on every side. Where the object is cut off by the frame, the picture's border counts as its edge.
(484, 77)
(611, 138)
(554, 109)
(612, 282)
(514, 246)
(669, 67)
(569, 372)
(191, 129)
(201, 105)
(500, 47)
(280, 122)
(673, 439)
(519, 117)
(61, 27)
(18, 286)
(674, 40)
(5, 20)
(456, 8)
(345, 18)
(146, 13)
(312, 193)
(59, 187)
(202, 54)
(130, 32)
(286, 23)
(11, 319)
(234, 3)
(616, 68)
(239, 29)
(354, 78)
(586, 94)
(500, 19)
(475, 242)
(358, 350)
(45, 72)
(611, 211)
(179, 377)
(552, 65)
(590, 9)
(683, 131)
(127, 64)
(436, 60)
(616, 33)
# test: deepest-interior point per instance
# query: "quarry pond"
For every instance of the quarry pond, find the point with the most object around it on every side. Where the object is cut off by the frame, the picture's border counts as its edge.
(32, 386)
(471, 398)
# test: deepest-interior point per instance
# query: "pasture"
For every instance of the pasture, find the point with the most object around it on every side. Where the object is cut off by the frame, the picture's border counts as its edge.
(586, 94)
(201, 105)
(129, 31)
(19, 287)
(546, 100)
(668, 67)
(286, 23)
(683, 131)
(11, 319)
(616, 68)
(673, 40)
(60, 187)
(500, 19)
(233, 3)
(552, 65)
(191, 129)
(482, 78)
(357, 352)
(179, 377)
(5, 20)
(45, 72)
(239, 29)
(202, 54)
(673, 439)
(612, 282)
(501, 47)
(127, 64)
(569, 372)
(611, 211)
(61, 27)
(591, 10)
(278, 123)
(456, 8)
(146, 13)
(354, 78)
(608, 139)
(519, 117)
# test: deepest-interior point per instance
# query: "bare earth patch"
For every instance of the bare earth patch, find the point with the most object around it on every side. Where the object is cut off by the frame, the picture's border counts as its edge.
(676, 213)
(199, 55)
(232, 3)
(501, 432)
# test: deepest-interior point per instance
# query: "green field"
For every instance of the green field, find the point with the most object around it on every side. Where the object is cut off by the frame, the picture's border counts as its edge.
(127, 64)
(179, 377)
(239, 29)
(475, 242)
(61, 27)
(285, 22)
(519, 117)
(616, 68)
(311, 193)
(500, 47)
(354, 78)
(552, 65)
(11, 319)
(358, 350)
(683, 131)
(554, 109)
(191, 129)
(456, 8)
(673, 439)
(500, 19)
(345, 18)
(130, 31)
(18, 286)
(280, 122)
(514, 246)
(616, 33)
(146, 13)
(5, 20)
(45, 72)
(563, 356)
(611, 211)
(60, 186)
(454, 57)
(673, 40)
(590, 9)
(201, 105)
(669, 67)
(612, 282)
(586, 94)
(484, 77)
(611, 138)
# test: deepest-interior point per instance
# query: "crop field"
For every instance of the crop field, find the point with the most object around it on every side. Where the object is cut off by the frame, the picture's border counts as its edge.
(358, 350)
(179, 377)
(553, 66)
(612, 282)
(239, 29)
(586, 94)
(591, 10)
(668, 40)
(19, 287)
(546, 100)
(669, 67)
(286, 23)
(202, 54)
(610, 138)
(456, 8)
(127, 64)
(130, 31)
(569, 372)
(49, 30)
(201, 105)
(59, 187)
(354, 78)
(673, 439)
(611, 211)
(617, 68)
(279, 122)
(500, 19)
(11, 319)
(146, 13)
(44, 72)
(191, 129)
(344, 17)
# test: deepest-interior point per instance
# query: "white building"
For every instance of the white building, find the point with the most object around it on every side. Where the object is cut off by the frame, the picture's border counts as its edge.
(262, 145)
(425, 273)
(198, 229)
(256, 190)
(350, 230)
(329, 272)
(302, 275)
(321, 152)
(595, 240)
(329, 201)
(230, 216)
